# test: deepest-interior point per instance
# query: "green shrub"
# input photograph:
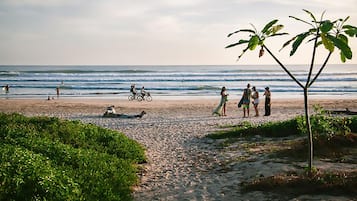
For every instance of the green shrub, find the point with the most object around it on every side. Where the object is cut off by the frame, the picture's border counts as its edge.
(325, 125)
(353, 125)
(270, 129)
(26, 175)
(51, 159)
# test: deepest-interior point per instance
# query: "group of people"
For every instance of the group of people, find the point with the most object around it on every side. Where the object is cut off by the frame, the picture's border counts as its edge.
(247, 96)
(134, 92)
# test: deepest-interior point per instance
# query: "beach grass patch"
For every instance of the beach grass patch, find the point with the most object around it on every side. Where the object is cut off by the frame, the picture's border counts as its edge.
(270, 129)
(45, 158)
(318, 182)
(338, 148)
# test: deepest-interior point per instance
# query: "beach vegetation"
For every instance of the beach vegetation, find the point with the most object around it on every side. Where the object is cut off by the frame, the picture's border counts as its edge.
(269, 129)
(324, 125)
(308, 182)
(46, 158)
(334, 142)
(330, 34)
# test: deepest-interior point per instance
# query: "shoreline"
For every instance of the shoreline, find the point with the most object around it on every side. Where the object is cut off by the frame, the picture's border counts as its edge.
(176, 97)
(165, 107)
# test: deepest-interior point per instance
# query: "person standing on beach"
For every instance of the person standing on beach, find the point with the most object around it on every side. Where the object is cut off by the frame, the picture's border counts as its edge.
(221, 108)
(246, 100)
(267, 95)
(58, 91)
(255, 96)
(6, 88)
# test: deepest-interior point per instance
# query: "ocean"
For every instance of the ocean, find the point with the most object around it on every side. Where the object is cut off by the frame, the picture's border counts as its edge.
(198, 81)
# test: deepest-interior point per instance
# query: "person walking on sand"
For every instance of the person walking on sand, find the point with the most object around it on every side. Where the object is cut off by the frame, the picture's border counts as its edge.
(267, 95)
(221, 108)
(246, 101)
(255, 96)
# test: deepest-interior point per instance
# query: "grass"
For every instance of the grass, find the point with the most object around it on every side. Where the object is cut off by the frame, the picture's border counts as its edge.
(270, 129)
(334, 141)
(44, 158)
(332, 183)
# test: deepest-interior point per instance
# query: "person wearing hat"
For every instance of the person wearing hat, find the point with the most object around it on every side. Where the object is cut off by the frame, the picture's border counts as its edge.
(267, 95)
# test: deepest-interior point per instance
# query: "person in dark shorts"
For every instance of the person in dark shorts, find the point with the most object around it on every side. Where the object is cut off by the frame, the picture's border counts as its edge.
(267, 95)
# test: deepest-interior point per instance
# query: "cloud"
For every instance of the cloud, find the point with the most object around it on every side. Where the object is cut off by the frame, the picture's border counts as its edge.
(179, 30)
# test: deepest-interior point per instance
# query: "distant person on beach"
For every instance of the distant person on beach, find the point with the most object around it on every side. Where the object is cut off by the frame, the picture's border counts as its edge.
(112, 113)
(221, 108)
(246, 100)
(143, 92)
(7, 88)
(133, 89)
(57, 91)
(267, 95)
(255, 96)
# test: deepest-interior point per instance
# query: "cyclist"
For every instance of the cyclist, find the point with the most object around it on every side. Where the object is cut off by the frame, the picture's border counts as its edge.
(133, 89)
(143, 92)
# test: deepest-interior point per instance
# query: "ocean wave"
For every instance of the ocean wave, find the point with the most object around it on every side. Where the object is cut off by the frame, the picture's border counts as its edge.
(200, 80)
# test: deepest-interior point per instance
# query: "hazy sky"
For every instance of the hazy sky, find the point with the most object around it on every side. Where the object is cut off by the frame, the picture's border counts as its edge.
(149, 32)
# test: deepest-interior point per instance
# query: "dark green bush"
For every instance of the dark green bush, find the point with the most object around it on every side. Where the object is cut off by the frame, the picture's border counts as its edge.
(270, 129)
(51, 159)
(26, 175)
(353, 125)
(323, 125)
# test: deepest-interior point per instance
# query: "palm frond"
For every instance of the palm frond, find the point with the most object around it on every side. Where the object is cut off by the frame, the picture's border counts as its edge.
(298, 19)
(241, 30)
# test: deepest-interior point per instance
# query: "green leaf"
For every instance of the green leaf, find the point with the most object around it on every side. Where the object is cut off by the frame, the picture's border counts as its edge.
(348, 27)
(298, 42)
(327, 43)
(277, 28)
(342, 45)
(345, 20)
(243, 52)
(241, 30)
(312, 16)
(239, 43)
(298, 19)
(350, 30)
(343, 38)
(278, 34)
(267, 26)
(326, 26)
(253, 42)
(287, 43)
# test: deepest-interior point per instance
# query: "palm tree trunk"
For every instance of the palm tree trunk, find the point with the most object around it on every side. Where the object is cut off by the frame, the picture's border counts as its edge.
(309, 131)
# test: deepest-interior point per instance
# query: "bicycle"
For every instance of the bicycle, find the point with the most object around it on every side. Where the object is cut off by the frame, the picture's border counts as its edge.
(146, 97)
(133, 97)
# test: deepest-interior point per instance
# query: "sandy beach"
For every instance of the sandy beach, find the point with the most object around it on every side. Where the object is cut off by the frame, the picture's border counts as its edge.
(184, 164)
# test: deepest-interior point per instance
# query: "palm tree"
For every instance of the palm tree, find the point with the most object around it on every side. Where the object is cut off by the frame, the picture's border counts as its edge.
(329, 34)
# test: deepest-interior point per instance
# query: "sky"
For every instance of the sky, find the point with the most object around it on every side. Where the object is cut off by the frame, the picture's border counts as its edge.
(155, 32)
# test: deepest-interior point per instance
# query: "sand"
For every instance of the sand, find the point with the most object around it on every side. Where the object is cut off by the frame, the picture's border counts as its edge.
(182, 163)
